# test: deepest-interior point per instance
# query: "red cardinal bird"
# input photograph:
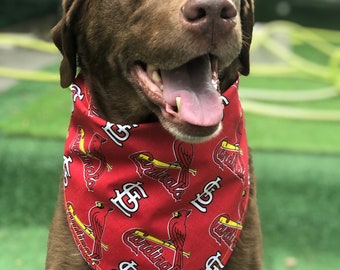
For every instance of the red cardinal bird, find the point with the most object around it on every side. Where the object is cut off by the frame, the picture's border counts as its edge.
(184, 154)
(98, 218)
(177, 233)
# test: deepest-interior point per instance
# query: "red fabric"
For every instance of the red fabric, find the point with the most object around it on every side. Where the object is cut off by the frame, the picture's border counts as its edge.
(137, 198)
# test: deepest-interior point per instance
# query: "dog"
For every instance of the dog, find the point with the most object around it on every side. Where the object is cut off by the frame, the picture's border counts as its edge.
(157, 173)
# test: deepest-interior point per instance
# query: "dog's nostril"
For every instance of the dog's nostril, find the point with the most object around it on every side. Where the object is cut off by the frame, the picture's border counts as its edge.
(200, 13)
(192, 14)
(197, 10)
(228, 13)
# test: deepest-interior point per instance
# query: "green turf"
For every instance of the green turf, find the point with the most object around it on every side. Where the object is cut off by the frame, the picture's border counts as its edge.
(22, 248)
(269, 133)
(30, 170)
(299, 204)
(35, 109)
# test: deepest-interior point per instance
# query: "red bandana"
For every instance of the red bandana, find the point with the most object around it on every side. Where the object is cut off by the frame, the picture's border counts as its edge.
(137, 198)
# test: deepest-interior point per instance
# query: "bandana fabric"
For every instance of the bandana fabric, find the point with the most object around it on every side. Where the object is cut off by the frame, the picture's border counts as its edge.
(137, 198)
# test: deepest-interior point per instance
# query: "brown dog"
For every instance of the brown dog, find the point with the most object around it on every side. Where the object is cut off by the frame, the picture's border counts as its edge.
(129, 54)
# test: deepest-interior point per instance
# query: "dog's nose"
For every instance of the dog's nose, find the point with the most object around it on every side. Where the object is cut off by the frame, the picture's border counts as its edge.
(202, 15)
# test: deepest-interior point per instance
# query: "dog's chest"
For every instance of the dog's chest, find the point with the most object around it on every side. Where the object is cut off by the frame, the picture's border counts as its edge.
(137, 198)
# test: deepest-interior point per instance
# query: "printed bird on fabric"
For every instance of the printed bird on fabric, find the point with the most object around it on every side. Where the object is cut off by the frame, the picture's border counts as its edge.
(177, 233)
(184, 154)
(97, 217)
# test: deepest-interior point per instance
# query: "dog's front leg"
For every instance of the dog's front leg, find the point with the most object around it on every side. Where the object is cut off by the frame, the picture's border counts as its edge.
(62, 253)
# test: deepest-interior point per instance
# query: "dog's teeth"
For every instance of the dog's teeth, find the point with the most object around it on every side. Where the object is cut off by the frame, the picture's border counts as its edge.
(155, 77)
(153, 73)
(151, 68)
(215, 83)
(178, 103)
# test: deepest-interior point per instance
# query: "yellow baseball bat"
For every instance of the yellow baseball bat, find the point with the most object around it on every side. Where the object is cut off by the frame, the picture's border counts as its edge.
(228, 146)
(162, 164)
(230, 223)
(159, 241)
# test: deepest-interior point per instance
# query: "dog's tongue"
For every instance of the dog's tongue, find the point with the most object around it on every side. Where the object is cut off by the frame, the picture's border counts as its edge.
(200, 102)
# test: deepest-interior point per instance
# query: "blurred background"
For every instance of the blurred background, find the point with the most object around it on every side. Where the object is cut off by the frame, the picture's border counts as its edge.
(292, 105)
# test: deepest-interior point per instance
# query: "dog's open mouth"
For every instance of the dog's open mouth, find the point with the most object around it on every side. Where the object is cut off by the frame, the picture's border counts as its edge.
(188, 94)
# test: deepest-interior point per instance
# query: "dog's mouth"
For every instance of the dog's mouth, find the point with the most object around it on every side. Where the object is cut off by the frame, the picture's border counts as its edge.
(187, 96)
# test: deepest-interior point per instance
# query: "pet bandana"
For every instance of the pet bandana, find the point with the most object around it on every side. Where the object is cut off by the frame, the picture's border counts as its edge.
(136, 198)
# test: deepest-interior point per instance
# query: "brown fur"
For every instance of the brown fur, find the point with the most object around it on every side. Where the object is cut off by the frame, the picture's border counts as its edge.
(103, 38)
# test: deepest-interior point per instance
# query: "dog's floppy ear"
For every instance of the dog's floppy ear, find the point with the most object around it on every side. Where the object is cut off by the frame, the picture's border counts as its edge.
(62, 35)
(247, 20)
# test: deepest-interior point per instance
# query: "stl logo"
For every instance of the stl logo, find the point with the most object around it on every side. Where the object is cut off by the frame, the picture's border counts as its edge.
(132, 265)
(78, 93)
(175, 175)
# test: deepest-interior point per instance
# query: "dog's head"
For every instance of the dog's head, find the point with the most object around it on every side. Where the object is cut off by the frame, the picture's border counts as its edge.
(146, 58)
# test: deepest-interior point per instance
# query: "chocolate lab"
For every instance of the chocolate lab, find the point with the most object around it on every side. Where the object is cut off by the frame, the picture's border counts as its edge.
(157, 173)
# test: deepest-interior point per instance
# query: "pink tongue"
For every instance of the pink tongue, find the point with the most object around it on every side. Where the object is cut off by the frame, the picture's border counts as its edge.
(200, 101)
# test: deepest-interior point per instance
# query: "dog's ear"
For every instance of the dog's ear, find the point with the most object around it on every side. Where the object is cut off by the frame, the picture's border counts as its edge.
(247, 20)
(62, 35)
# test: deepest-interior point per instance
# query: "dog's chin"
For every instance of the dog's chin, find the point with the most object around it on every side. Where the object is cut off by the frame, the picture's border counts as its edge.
(192, 134)
(186, 99)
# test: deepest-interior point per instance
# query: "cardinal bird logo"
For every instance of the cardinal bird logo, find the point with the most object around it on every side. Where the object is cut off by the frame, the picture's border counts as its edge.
(174, 176)
(156, 250)
(88, 147)
(177, 233)
(97, 218)
(184, 155)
